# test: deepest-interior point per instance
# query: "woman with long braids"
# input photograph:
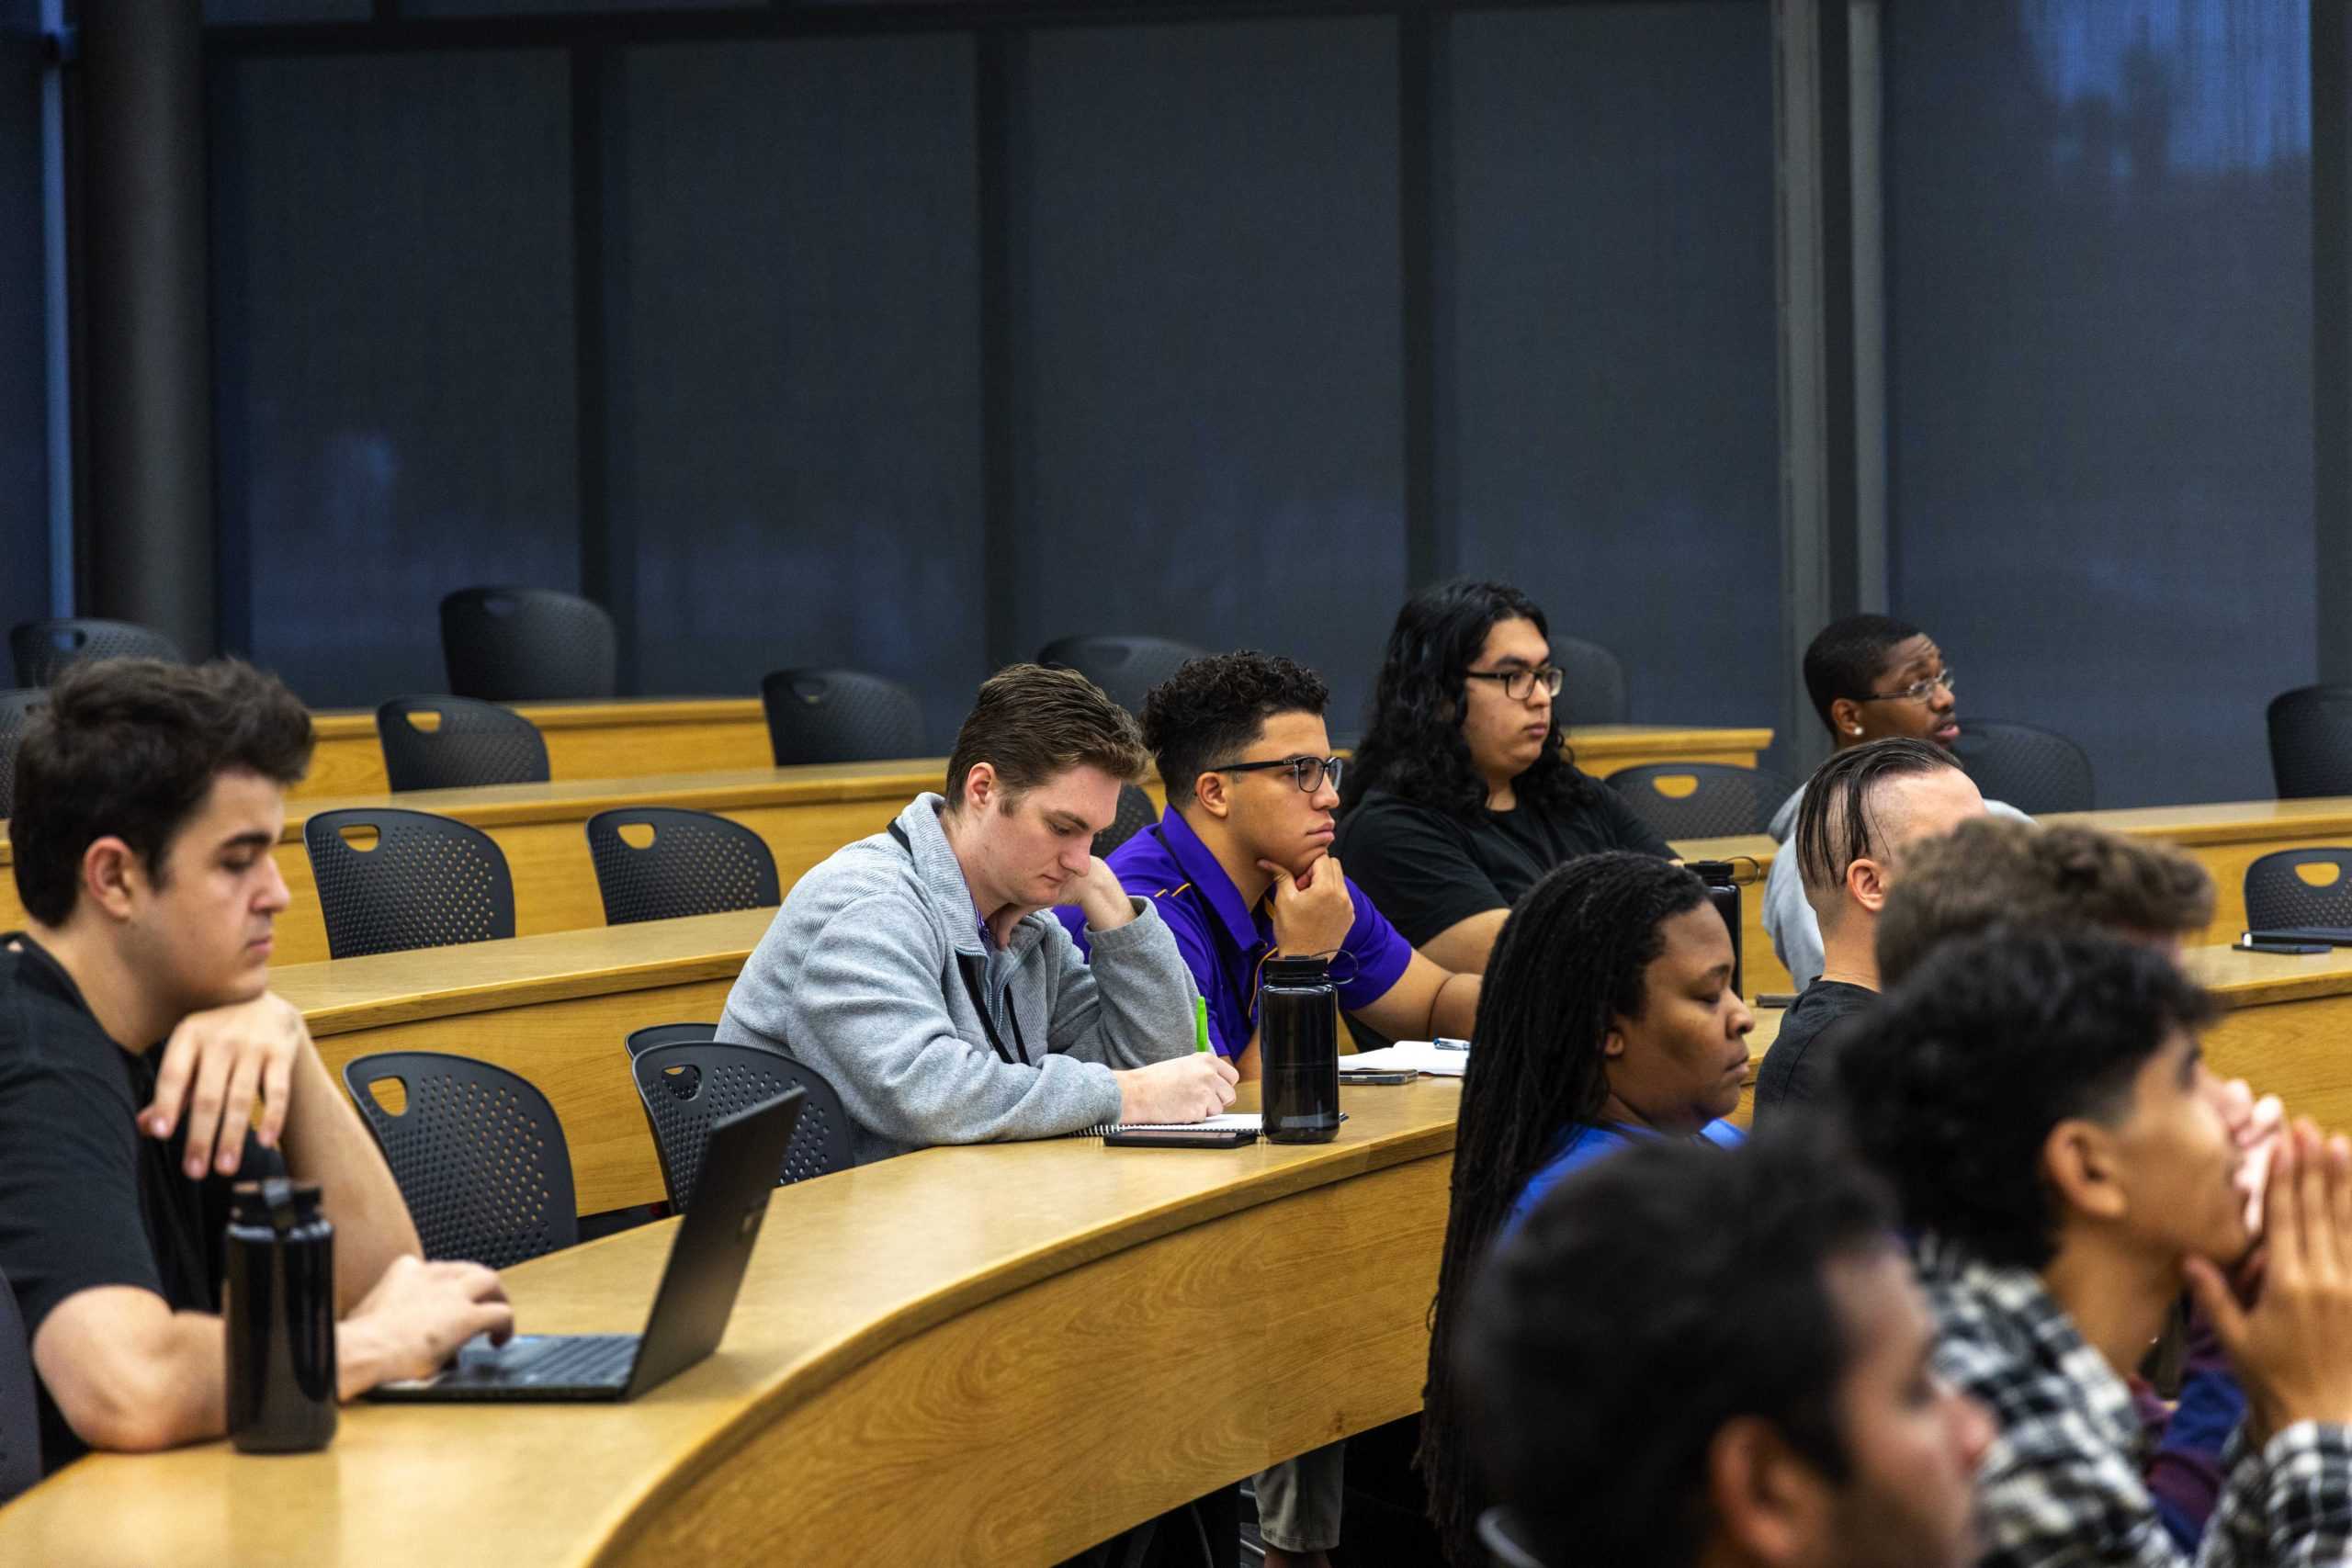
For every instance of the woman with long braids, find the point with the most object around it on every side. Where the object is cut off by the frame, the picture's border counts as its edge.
(1462, 794)
(1608, 1016)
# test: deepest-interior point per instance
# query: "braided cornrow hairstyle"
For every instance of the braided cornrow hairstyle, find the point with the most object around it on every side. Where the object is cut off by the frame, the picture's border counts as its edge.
(1574, 954)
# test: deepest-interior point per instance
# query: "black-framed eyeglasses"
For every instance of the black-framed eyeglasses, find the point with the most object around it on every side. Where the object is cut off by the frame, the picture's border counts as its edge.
(1917, 691)
(1519, 683)
(1309, 772)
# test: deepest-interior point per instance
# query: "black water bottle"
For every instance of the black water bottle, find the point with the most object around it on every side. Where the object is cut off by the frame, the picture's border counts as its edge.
(280, 1284)
(1298, 1050)
(1723, 892)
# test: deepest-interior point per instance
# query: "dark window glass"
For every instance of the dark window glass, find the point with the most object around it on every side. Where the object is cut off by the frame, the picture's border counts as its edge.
(1208, 341)
(24, 407)
(395, 336)
(1613, 381)
(2100, 367)
(793, 286)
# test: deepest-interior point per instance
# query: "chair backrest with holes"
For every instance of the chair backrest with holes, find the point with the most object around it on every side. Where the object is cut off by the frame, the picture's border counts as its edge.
(457, 743)
(427, 882)
(16, 712)
(477, 1151)
(2300, 887)
(1127, 668)
(43, 649)
(1700, 800)
(520, 645)
(838, 715)
(684, 1088)
(656, 862)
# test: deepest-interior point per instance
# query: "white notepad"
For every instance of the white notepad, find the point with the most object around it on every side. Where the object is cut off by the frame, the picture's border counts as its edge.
(1230, 1122)
(1421, 1055)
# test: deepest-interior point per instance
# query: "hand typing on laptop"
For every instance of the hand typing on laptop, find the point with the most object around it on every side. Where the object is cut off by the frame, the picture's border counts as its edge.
(416, 1318)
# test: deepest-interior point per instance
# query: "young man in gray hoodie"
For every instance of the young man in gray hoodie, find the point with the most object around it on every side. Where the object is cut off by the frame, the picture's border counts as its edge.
(917, 970)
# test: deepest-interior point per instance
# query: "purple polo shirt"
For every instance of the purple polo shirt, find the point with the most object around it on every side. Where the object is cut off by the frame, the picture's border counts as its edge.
(1224, 941)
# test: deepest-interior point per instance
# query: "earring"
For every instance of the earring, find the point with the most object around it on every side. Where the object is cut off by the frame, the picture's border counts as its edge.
(1854, 729)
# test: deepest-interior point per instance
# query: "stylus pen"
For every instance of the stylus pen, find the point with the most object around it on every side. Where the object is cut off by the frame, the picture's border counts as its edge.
(1200, 1024)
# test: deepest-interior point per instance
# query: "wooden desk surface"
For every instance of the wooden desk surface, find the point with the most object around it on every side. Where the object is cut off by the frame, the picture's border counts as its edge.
(607, 739)
(1110, 1314)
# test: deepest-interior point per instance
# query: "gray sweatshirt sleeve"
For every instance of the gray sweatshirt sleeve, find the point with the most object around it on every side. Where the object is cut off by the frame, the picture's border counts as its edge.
(1788, 919)
(1131, 1004)
(868, 1014)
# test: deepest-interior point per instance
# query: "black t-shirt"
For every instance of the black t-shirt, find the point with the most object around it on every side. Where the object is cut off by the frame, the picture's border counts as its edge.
(1798, 1063)
(86, 1198)
(1429, 870)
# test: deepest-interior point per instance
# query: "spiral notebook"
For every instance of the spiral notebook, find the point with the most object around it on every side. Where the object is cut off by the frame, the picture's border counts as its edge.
(1231, 1122)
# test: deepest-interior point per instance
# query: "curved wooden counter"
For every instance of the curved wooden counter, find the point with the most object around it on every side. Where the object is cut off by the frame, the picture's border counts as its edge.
(990, 1355)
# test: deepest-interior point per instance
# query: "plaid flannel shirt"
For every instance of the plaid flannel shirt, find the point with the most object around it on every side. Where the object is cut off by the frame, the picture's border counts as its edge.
(2061, 1486)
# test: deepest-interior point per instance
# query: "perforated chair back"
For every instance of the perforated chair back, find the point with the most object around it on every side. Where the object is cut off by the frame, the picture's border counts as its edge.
(19, 1411)
(44, 648)
(1592, 684)
(456, 743)
(2036, 771)
(16, 712)
(477, 1151)
(1127, 668)
(426, 882)
(1136, 813)
(643, 1040)
(513, 644)
(685, 1087)
(691, 863)
(2300, 887)
(838, 715)
(2310, 741)
(1700, 800)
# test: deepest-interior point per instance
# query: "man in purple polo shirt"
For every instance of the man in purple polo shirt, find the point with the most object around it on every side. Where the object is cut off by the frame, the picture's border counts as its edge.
(1240, 867)
(1240, 870)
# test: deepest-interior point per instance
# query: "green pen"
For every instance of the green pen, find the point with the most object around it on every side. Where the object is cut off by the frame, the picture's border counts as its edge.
(1200, 1024)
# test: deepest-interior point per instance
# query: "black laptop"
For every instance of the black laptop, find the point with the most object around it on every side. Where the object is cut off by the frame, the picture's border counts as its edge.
(706, 1261)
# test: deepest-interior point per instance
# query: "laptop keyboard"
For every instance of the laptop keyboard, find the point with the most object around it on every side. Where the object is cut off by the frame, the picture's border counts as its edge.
(558, 1359)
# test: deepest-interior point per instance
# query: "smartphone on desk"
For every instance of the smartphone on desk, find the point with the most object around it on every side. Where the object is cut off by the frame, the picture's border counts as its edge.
(2287, 947)
(1179, 1138)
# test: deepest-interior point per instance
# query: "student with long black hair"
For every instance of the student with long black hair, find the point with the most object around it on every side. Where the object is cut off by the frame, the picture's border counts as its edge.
(1463, 793)
(1608, 1019)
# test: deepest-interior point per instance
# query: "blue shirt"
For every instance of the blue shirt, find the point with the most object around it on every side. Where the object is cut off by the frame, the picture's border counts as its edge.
(1225, 941)
(1579, 1146)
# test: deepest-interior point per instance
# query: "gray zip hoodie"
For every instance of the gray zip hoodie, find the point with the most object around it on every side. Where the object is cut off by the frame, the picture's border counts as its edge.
(870, 972)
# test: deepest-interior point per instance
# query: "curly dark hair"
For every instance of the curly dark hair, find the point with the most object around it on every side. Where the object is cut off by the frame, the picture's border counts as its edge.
(1846, 658)
(1953, 1087)
(1998, 871)
(1413, 746)
(1646, 1301)
(1574, 954)
(129, 748)
(1216, 704)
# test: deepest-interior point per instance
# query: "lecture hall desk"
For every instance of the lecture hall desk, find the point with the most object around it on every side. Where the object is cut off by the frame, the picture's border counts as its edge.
(803, 813)
(925, 1353)
(677, 735)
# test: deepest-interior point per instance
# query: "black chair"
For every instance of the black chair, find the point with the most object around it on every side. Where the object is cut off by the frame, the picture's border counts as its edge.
(685, 1087)
(44, 648)
(1127, 668)
(467, 743)
(477, 1151)
(1592, 685)
(426, 882)
(652, 1035)
(512, 645)
(692, 863)
(19, 1410)
(2036, 771)
(1136, 813)
(1700, 800)
(2278, 895)
(16, 712)
(2310, 741)
(838, 715)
